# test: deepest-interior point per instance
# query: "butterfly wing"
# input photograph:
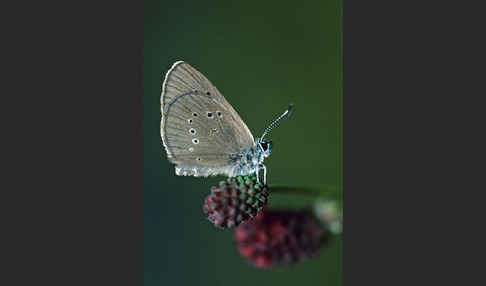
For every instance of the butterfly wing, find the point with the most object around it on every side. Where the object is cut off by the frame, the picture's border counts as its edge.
(200, 130)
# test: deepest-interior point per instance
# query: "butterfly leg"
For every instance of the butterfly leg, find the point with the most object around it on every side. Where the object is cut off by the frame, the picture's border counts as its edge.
(257, 172)
(264, 173)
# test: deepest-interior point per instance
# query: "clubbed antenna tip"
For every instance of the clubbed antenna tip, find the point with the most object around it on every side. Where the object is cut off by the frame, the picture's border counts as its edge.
(277, 121)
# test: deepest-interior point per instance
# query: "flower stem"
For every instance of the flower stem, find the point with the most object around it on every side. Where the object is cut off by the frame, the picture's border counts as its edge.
(319, 192)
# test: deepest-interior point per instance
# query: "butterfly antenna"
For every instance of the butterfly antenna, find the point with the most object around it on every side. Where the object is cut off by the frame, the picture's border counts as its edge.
(277, 121)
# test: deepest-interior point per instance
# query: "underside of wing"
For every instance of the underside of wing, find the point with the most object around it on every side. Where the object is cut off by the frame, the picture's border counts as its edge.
(197, 171)
(200, 131)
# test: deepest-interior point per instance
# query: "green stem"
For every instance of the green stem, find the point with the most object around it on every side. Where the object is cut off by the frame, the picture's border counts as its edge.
(322, 191)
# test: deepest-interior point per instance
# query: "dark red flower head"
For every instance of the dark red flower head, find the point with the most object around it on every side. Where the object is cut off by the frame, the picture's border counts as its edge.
(234, 201)
(280, 237)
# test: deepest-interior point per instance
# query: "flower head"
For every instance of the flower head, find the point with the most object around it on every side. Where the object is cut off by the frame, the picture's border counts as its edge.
(280, 237)
(235, 200)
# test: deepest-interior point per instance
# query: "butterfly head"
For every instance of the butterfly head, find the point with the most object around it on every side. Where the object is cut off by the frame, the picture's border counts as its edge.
(266, 147)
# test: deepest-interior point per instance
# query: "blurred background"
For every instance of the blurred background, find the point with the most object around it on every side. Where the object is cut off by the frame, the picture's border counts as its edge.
(261, 56)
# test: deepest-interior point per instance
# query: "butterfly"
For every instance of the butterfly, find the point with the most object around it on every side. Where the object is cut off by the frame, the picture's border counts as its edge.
(201, 132)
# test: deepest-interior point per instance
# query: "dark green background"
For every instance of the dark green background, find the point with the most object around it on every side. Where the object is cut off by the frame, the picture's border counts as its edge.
(261, 55)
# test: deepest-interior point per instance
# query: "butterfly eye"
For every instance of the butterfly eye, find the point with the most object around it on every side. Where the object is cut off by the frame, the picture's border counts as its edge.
(264, 146)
